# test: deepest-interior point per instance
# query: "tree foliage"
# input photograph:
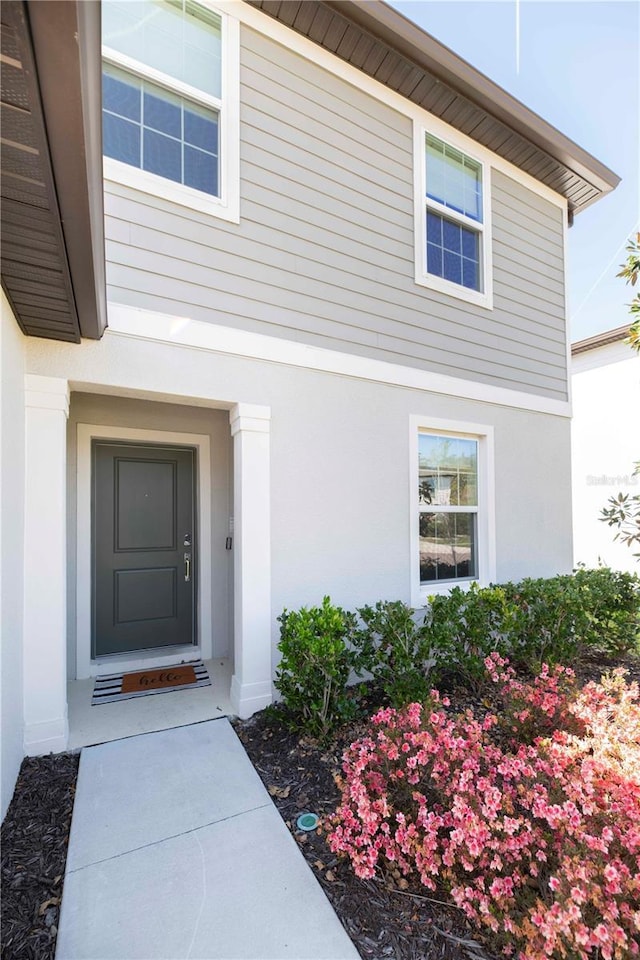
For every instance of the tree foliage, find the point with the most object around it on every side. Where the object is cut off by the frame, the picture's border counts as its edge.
(623, 511)
(630, 272)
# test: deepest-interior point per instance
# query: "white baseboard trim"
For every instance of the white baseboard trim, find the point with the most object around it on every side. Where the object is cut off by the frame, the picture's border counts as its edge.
(248, 698)
(49, 736)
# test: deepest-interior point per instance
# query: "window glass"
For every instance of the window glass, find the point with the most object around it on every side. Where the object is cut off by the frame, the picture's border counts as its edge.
(121, 117)
(163, 113)
(176, 37)
(448, 502)
(453, 243)
(453, 251)
(162, 155)
(448, 546)
(448, 470)
(155, 130)
(121, 140)
(121, 95)
(453, 179)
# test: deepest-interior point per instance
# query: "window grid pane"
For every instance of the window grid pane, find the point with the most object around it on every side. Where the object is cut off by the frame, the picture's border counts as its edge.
(146, 127)
(448, 546)
(453, 251)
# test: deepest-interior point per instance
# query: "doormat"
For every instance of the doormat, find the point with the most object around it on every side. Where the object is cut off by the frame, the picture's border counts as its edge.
(126, 686)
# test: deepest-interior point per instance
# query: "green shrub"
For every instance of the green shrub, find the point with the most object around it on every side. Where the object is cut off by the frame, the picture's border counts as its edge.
(548, 624)
(545, 620)
(465, 626)
(531, 622)
(396, 651)
(316, 662)
(612, 601)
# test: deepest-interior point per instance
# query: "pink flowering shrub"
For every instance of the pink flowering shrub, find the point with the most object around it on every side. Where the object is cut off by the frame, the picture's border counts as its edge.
(537, 841)
(535, 708)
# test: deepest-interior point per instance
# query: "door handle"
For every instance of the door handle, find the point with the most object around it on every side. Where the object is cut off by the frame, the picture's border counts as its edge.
(187, 567)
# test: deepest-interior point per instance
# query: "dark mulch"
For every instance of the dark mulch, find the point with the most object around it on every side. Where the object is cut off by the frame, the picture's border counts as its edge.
(386, 917)
(35, 835)
(593, 666)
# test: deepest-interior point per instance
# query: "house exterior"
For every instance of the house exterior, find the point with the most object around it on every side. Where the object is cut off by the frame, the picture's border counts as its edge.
(605, 377)
(336, 352)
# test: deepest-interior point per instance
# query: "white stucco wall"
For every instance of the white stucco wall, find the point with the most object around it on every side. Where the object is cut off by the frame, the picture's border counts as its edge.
(605, 444)
(340, 462)
(12, 434)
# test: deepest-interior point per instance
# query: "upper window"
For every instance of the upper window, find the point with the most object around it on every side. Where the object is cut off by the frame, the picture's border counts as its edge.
(167, 103)
(452, 248)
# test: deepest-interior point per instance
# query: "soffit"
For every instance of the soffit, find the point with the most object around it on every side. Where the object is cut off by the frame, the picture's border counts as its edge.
(52, 225)
(378, 40)
(616, 335)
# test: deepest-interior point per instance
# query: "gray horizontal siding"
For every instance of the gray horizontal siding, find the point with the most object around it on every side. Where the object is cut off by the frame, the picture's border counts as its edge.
(324, 250)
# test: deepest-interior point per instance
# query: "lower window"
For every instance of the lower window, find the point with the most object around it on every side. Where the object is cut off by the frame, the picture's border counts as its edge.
(447, 508)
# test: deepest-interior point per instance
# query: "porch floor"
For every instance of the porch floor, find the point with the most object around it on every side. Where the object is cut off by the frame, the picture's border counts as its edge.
(127, 718)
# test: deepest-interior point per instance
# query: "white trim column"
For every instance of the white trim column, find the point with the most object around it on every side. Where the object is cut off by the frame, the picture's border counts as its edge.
(46, 725)
(251, 682)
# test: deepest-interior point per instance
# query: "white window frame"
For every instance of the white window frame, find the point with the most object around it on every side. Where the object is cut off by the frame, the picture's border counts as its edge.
(486, 525)
(227, 205)
(483, 297)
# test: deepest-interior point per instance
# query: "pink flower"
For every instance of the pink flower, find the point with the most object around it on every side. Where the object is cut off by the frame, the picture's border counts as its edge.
(483, 815)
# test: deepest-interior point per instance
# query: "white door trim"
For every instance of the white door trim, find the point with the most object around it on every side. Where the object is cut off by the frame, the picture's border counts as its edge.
(85, 666)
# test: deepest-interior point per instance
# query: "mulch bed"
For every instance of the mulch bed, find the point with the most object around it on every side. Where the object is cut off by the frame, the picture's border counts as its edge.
(386, 917)
(34, 839)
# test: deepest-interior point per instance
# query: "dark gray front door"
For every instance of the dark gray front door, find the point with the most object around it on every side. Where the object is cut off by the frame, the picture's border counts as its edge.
(143, 547)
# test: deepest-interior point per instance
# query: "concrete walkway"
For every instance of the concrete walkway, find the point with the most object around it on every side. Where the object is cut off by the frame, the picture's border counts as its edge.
(177, 850)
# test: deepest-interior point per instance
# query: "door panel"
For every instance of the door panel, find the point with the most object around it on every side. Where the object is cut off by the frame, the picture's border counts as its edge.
(145, 507)
(145, 595)
(143, 535)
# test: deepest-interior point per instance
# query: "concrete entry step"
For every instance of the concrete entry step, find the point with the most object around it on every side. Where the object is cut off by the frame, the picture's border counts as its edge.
(177, 850)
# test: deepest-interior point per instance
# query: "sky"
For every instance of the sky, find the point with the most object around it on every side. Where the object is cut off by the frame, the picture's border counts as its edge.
(577, 64)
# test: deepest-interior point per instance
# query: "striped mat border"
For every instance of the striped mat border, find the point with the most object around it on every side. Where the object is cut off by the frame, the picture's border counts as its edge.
(107, 688)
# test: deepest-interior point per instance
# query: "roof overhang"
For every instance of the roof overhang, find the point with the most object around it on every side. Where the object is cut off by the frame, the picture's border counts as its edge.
(53, 261)
(384, 44)
(600, 340)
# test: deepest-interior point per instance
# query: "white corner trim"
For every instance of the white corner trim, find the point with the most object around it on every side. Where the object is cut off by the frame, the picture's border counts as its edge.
(86, 432)
(567, 321)
(182, 331)
(487, 553)
(46, 393)
(252, 671)
(286, 37)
